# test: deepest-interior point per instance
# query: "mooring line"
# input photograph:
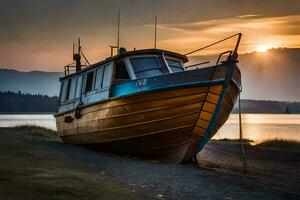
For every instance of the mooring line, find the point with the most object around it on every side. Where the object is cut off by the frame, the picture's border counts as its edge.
(241, 133)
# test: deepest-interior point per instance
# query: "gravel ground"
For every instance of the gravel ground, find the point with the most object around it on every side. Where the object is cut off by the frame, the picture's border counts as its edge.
(215, 179)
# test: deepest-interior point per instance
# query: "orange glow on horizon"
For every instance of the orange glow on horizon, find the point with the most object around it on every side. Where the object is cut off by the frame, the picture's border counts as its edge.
(263, 47)
(260, 33)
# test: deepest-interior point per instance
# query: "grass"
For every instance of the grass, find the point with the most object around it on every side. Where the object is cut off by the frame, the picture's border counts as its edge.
(274, 144)
(279, 144)
(236, 141)
(31, 170)
(35, 131)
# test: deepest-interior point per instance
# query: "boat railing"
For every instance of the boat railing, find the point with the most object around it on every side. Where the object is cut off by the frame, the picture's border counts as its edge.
(197, 65)
(230, 53)
(71, 68)
(224, 53)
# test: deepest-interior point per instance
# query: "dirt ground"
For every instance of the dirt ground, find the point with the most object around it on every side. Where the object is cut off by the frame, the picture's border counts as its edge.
(36, 166)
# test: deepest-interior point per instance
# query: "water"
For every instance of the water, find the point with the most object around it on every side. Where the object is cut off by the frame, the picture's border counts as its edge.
(42, 120)
(257, 127)
(261, 127)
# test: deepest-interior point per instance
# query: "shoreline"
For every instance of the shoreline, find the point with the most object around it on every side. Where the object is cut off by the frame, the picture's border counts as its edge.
(33, 158)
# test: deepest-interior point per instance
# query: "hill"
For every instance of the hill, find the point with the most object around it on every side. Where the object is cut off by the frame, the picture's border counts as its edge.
(35, 82)
(270, 107)
(272, 75)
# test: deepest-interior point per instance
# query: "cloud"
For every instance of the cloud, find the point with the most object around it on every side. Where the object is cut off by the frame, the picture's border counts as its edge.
(34, 31)
(275, 30)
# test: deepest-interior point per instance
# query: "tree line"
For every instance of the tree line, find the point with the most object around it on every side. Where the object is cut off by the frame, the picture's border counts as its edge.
(18, 102)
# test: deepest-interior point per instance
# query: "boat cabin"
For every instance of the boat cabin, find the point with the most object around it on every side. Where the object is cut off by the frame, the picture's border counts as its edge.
(93, 84)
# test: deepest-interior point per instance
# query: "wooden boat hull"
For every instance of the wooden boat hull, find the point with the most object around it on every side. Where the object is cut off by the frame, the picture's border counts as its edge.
(170, 125)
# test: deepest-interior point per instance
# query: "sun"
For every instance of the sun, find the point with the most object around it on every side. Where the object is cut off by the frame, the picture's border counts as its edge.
(262, 47)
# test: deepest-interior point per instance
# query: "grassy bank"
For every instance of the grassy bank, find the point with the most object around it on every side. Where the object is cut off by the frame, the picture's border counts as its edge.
(274, 144)
(278, 144)
(35, 166)
(34, 131)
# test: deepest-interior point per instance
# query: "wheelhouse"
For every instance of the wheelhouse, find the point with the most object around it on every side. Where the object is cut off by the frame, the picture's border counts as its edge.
(92, 84)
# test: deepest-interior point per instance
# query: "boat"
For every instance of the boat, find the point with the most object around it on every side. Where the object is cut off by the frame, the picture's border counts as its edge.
(147, 103)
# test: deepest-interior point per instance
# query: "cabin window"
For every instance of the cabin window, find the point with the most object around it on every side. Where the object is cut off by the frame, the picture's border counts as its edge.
(146, 67)
(89, 81)
(174, 65)
(68, 89)
(72, 86)
(78, 86)
(64, 90)
(99, 78)
(106, 76)
(121, 71)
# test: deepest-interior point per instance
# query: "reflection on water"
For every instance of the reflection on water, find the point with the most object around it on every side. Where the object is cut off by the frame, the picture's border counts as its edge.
(260, 127)
(257, 127)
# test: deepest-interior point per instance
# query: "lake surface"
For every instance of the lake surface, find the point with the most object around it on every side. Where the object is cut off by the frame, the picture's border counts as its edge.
(257, 127)
(42, 120)
(261, 127)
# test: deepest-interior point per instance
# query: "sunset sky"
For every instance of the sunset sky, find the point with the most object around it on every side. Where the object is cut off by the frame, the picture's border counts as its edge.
(38, 34)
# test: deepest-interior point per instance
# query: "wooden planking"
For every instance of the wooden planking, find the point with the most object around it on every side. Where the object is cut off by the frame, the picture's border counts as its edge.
(216, 89)
(138, 107)
(177, 117)
(137, 118)
(145, 143)
(168, 146)
(202, 123)
(198, 132)
(212, 98)
(99, 137)
(232, 94)
(226, 108)
(94, 135)
(206, 112)
(145, 98)
(208, 109)
(220, 72)
(205, 115)
(236, 76)
(180, 100)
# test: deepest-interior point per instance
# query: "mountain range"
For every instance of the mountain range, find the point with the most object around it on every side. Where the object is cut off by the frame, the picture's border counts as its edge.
(35, 82)
(271, 75)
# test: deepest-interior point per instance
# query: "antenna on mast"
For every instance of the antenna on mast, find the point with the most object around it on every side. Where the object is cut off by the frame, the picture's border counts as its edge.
(119, 16)
(79, 47)
(112, 48)
(155, 32)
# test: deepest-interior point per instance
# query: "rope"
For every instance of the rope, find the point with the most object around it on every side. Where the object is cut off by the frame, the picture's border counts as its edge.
(237, 34)
(84, 57)
(241, 134)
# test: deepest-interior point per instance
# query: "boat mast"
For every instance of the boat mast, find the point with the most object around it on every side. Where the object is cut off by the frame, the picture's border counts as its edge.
(112, 47)
(77, 57)
(155, 32)
(118, 43)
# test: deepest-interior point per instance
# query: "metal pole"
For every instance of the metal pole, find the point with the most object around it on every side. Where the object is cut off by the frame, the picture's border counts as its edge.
(118, 42)
(79, 47)
(237, 43)
(155, 32)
